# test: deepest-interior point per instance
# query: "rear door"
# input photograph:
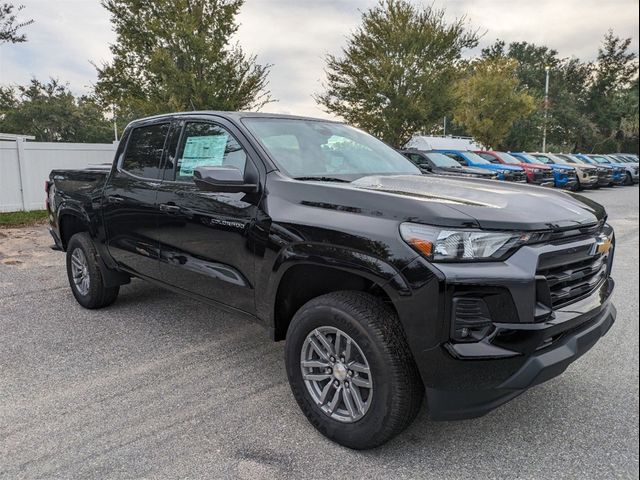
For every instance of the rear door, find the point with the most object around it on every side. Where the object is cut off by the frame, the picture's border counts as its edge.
(130, 211)
(205, 240)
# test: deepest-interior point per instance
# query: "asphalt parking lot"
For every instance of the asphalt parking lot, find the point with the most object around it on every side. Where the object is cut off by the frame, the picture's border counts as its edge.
(159, 386)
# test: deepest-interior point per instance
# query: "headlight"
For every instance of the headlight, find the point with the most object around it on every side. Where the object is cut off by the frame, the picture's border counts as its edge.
(449, 245)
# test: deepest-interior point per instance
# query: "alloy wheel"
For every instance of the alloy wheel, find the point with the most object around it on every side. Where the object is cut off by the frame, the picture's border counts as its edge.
(337, 374)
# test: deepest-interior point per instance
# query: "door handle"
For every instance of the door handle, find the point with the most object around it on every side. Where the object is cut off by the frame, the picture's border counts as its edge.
(165, 207)
(115, 199)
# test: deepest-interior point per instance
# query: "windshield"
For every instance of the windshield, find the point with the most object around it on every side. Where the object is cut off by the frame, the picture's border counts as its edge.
(441, 160)
(310, 148)
(569, 158)
(600, 159)
(544, 159)
(531, 159)
(510, 159)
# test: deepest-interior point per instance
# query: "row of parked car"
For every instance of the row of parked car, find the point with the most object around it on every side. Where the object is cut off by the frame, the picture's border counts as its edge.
(560, 170)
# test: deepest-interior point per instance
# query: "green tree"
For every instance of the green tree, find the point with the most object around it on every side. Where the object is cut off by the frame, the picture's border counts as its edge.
(10, 26)
(613, 100)
(394, 75)
(174, 55)
(51, 113)
(490, 100)
(568, 124)
(592, 107)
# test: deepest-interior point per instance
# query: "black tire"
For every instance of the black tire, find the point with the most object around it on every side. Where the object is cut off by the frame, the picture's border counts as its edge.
(577, 187)
(374, 326)
(629, 179)
(97, 295)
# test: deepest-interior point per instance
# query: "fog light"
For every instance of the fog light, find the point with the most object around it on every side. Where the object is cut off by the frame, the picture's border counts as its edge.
(471, 319)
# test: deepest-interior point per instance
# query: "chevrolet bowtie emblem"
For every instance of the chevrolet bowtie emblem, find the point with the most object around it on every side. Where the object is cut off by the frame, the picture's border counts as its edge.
(602, 246)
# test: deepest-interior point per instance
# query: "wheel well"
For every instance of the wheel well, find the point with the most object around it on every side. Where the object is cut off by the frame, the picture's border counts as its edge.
(304, 282)
(69, 226)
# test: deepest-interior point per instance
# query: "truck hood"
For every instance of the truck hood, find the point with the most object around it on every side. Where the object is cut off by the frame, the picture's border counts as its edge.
(563, 167)
(482, 172)
(491, 204)
(501, 166)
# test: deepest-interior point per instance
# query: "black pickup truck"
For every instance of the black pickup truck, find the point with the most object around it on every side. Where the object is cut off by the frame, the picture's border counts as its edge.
(386, 284)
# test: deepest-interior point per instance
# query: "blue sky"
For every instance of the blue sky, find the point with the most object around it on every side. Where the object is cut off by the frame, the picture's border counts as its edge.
(294, 36)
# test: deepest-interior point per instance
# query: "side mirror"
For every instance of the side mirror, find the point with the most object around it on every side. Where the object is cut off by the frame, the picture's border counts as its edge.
(222, 179)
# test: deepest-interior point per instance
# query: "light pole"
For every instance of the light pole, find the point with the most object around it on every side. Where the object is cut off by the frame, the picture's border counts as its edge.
(546, 109)
(115, 124)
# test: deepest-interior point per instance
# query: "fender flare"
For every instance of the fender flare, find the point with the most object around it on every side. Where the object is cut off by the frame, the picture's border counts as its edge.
(381, 273)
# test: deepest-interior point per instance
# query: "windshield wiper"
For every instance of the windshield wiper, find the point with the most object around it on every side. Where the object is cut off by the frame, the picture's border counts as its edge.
(321, 179)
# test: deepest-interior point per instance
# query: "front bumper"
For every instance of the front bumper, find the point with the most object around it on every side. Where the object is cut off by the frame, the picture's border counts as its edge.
(539, 323)
(565, 181)
(589, 182)
(551, 361)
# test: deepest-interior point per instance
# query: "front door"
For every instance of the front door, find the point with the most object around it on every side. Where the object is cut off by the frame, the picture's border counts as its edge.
(205, 247)
(129, 202)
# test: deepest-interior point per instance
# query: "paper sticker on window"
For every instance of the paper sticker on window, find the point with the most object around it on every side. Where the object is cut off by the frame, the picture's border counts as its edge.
(208, 150)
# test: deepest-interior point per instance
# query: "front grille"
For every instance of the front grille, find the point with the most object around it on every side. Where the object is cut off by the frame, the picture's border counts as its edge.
(515, 177)
(573, 274)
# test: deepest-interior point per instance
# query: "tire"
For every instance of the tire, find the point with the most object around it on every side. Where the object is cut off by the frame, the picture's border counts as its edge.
(628, 180)
(91, 294)
(396, 391)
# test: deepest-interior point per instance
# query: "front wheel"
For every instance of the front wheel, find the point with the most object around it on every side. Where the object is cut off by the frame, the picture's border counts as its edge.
(350, 369)
(628, 180)
(84, 274)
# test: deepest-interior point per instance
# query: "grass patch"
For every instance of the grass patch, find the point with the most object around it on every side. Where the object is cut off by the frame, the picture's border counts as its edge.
(23, 219)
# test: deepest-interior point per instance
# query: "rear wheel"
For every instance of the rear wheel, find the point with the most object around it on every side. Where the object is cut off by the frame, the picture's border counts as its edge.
(351, 370)
(84, 274)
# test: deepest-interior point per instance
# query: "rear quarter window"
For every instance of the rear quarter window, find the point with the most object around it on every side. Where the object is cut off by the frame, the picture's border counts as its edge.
(144, 150)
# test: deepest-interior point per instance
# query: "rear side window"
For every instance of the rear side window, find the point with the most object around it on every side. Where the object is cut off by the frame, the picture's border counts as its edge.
(419, 160)
(144, 151)
(458, 158)
(210, 145)
(489, 157)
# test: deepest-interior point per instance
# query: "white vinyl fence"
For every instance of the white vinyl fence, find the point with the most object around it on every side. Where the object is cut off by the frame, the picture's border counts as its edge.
(24, 167)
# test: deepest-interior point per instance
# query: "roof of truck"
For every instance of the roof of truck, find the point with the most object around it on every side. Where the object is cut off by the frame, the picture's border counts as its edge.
(233, 116)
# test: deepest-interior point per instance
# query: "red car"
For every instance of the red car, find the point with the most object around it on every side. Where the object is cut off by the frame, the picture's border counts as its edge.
(536, 174)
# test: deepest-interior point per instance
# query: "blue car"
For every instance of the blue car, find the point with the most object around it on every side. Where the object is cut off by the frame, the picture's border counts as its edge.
(619, 173)
(509, 173)
(630, 169)
(564, 176)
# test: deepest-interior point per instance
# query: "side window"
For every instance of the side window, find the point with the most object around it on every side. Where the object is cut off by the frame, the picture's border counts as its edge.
(144, 150)
(207, 144)
(457, 158)
(488, 157)
(419, 160)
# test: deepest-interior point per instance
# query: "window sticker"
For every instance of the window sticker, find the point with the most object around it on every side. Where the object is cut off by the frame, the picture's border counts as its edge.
(208, 150)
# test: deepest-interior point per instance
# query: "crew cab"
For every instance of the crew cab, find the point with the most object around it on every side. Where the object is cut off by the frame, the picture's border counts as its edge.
(438, 163)
(536, 174)
(386, 285)
(586, 175)
(509, 173)
(564, 176)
